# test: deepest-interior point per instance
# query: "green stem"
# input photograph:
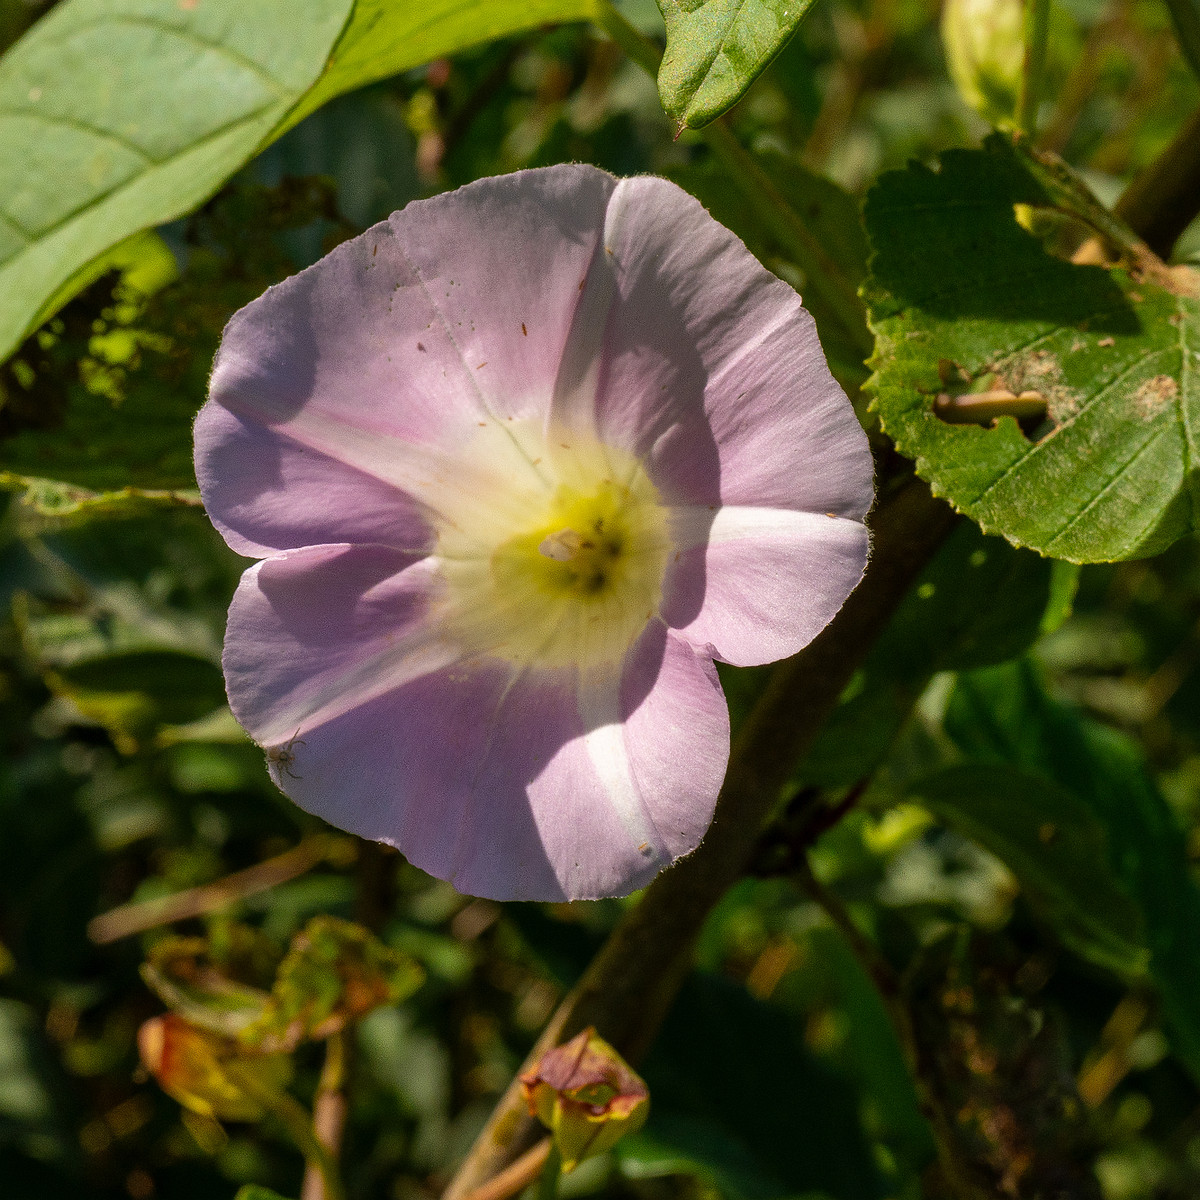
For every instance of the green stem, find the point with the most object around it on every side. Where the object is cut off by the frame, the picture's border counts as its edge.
(1037, 22)
(1186, 15)
(800, 244)
(296, 1121)
(547, 1188)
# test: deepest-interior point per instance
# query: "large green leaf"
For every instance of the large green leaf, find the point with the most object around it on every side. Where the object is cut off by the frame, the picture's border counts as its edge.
(117, 115)
(120, 114)
(1056, 847)
(962, 296)
(1004, 715)
(716, 49)
(384, 37)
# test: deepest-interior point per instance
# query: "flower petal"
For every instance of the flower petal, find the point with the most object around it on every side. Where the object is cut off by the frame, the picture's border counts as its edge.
(480, 773)
(758, 584)
(393, 352)
(267, 493)
(712, 371)
(315, 632)
(505, 260)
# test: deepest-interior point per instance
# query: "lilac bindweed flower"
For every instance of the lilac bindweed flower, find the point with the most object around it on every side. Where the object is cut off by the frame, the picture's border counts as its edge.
(518, 464)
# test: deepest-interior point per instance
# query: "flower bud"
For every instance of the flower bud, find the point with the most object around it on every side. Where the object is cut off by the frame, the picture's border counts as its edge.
(985, 52)
(209, 1074)
(587, 1095)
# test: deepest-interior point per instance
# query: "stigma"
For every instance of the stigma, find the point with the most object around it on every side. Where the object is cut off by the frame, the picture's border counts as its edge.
(560, 568)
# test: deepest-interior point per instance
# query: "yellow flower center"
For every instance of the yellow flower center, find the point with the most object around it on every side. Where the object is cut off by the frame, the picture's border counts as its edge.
(564, 571)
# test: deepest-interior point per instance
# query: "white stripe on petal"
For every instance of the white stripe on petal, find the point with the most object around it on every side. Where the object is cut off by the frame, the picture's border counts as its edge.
(696, 525)
(600, 709)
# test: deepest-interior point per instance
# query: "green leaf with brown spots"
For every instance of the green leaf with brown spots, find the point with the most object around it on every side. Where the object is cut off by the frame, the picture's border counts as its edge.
(963, 299)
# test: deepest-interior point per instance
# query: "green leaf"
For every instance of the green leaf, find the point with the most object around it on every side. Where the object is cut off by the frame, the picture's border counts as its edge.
(196, 980)
(116, 115)
(256, 1191)
(384, 38)
(1055, 846)
(132, 692)
(334, 972)
(85, 164)
(736, 1094)
(1004, 715)
(716, 49)
(980, 601)
(962, 297)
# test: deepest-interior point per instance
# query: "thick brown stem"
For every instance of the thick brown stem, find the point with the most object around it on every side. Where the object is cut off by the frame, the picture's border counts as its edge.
(631, 983)
(1165, 198)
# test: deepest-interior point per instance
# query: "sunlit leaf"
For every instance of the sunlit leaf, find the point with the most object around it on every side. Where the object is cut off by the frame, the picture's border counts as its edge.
(206, 987)
(335, 972)
(116, 115)
(962, 297)
(716, 49)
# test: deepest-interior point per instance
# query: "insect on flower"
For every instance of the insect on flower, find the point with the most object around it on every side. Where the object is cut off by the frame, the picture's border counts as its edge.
(282, 757)
(517, 465)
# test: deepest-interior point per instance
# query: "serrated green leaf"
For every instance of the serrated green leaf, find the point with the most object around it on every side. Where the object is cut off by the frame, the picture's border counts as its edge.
(716, 49)
(116, 115)
(384, 38)
(1004, 715)
(960, 291)
(256, 1191)
(1054, 845)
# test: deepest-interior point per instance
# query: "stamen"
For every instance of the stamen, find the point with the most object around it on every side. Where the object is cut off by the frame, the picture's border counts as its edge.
(561, 546)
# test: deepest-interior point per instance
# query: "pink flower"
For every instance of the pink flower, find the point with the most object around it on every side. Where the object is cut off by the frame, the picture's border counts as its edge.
(518, 464)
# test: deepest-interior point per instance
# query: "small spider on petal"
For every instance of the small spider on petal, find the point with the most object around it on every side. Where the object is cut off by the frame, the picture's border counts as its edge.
(518, 464)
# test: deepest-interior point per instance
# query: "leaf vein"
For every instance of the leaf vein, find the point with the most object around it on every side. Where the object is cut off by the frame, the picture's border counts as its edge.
(95, 131)
(187, 35)
(1108, 485)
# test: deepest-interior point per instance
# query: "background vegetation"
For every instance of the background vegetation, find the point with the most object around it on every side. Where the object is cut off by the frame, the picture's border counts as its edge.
(963, 956)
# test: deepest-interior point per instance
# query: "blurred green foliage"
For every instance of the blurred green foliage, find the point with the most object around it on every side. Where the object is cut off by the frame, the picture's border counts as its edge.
(1011, 782)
